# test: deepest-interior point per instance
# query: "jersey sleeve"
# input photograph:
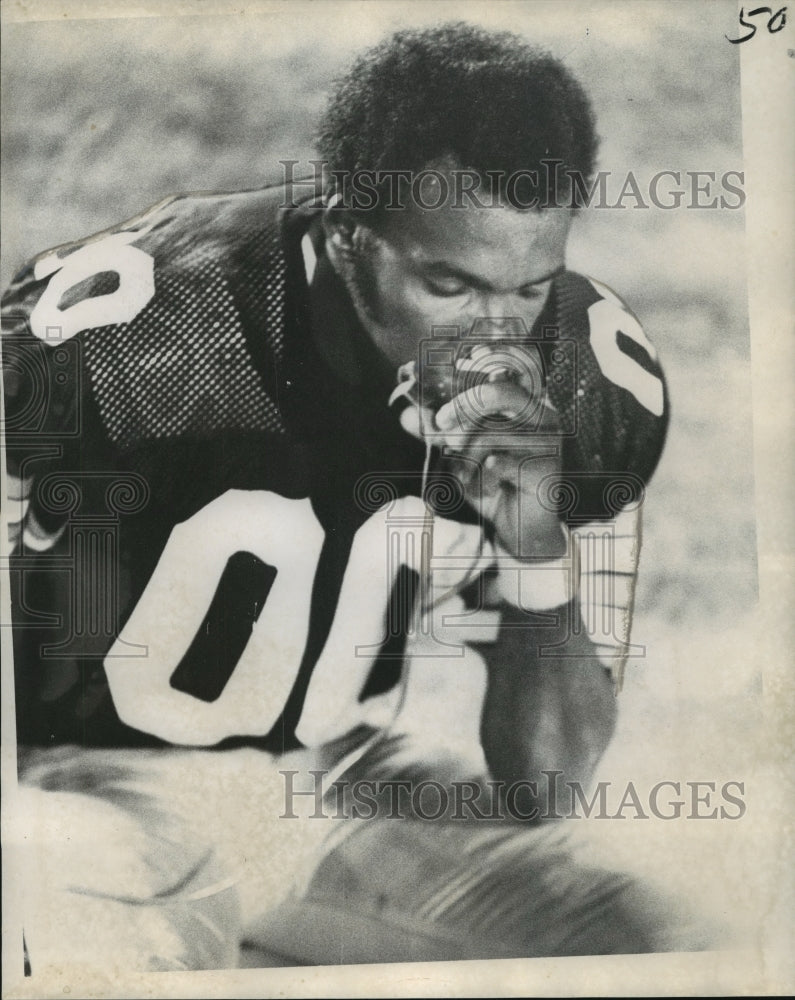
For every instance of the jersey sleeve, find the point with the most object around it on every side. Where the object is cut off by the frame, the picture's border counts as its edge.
(142, 339)
(606, 381)
(44, 404)
(49, 313)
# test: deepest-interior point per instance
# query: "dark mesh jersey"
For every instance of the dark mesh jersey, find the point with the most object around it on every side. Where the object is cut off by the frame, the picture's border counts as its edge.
(164, 390)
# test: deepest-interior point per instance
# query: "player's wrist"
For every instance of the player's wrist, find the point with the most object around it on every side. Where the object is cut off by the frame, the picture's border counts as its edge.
(541, 538)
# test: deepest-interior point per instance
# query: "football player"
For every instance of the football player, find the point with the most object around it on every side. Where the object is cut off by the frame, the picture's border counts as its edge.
(345, 486)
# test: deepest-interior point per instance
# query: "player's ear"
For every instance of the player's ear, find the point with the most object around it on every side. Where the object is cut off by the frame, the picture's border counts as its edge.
(344, 232)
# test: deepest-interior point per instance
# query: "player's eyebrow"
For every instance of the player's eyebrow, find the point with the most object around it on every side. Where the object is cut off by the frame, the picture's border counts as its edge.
(439, 269)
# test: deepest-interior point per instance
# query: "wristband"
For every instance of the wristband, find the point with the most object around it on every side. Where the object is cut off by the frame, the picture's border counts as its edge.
(538, 586)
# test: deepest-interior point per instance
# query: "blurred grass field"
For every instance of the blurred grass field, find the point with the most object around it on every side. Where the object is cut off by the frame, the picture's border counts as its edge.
(103, 118)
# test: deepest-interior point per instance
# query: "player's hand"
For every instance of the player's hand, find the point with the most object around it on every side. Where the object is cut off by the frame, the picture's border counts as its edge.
(501, 472)
(501, 438)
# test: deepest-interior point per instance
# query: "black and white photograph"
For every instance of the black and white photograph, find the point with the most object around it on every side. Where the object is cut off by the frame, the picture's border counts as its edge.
(397, 539)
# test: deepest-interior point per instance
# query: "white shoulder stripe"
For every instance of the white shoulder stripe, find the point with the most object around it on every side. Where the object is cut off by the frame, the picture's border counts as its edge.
(310, 258)
(607, 317)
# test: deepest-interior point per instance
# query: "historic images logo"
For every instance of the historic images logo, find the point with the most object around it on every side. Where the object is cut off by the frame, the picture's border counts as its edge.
(553, 797)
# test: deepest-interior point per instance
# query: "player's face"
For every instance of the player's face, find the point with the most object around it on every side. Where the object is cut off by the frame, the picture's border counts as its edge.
(453, 267)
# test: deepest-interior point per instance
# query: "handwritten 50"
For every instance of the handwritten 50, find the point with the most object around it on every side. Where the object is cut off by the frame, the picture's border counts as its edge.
(775, 22)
